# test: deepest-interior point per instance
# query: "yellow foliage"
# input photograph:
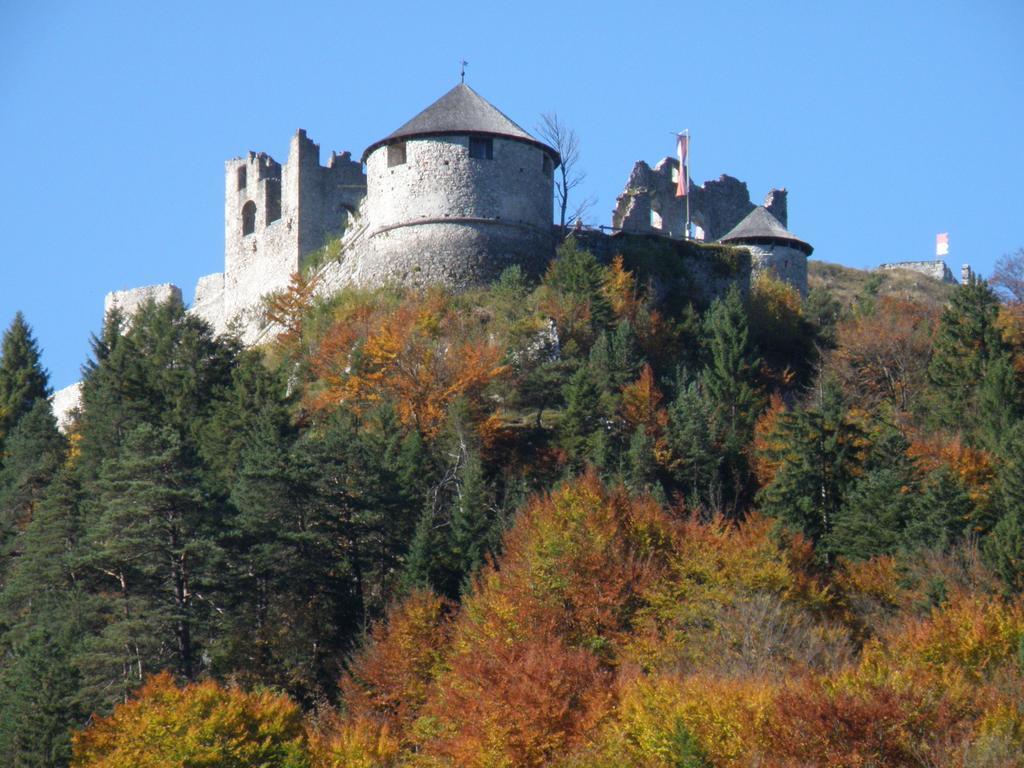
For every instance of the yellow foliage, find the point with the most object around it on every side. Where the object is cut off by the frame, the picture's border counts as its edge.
(356, 743)
(202, 724)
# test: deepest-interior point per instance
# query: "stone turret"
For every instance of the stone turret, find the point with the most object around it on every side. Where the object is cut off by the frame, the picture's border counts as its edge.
(454, 196)
(772, 247)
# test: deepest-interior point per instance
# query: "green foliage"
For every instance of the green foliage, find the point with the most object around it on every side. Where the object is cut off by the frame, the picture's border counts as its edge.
(22, 378)
(967, 342)
(819, 453)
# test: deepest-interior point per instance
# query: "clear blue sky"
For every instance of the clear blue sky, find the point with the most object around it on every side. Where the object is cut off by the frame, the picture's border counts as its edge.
(887, 121)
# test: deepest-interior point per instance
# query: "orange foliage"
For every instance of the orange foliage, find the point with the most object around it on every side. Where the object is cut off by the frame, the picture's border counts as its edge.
(1010, 323)
(883, 356)
(973, 466)
(287, 309)
(621, 291)
(766, 441)
(641, 404)
(200, 724)
(422, 356)
(533, 647)
(389, 678)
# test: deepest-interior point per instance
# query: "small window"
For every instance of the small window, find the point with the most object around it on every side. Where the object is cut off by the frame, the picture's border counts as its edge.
(482, 149)
(241, 177)
(396, 154)
(547, 165)
(655, 219)
(248, 218)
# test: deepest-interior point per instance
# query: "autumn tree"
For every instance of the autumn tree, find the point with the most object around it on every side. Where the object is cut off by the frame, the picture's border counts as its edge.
(883, 357)
(1008, 277)
(198, 724)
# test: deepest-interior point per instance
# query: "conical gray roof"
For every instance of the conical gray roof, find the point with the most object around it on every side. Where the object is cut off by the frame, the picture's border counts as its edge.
(461, 111)
(759, 226)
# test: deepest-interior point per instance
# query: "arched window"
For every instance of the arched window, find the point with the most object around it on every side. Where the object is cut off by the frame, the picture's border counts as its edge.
(248, 218)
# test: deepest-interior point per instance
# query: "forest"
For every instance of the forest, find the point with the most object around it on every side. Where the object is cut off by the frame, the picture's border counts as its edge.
(586, 520)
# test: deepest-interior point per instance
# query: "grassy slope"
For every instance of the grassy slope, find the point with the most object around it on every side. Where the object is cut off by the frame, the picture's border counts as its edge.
(846, 283)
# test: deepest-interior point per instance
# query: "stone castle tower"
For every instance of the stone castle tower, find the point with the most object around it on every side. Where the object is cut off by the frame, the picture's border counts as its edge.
(772, 247)
(274, 216)
(454, 196)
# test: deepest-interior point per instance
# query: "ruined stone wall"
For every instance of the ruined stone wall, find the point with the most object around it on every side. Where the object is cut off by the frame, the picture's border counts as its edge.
(446, 217)
(787, 264)
(648, 204)
(936, 269)
(130, 301)
(298, 206)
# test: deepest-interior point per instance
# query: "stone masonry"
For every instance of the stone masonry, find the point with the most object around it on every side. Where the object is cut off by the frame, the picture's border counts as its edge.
(648, 204)
(453, 197)
(935, 269)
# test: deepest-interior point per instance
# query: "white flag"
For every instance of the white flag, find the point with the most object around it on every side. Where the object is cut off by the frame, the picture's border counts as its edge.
(942, 244)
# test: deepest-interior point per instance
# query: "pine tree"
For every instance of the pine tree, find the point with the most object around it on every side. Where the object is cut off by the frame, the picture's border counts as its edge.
(23, 380)
(1004, 546)
(473, 519)
(729, 375)
(696, 461)
(39, 702)
(819, 452)
(583, 421)
(875, 511)
(44, 617)
(1000, 403)
(966, 342)
(943, 513)
(151, 545)
(35, 450)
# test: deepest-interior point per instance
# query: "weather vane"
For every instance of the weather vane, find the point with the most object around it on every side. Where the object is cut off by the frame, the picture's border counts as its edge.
(462, 74)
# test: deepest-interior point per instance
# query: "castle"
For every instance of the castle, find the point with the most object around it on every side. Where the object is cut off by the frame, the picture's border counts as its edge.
(452, 197)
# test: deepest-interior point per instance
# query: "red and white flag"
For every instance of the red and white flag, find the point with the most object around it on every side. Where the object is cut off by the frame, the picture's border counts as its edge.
(683, 147)
(942, 244)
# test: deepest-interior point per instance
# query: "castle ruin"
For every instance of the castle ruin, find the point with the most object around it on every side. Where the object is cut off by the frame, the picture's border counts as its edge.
(452, 197)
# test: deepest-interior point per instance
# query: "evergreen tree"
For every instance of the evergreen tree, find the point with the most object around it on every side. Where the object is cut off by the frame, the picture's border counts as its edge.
(150, 544)
(943, 512)
(39, 703)
(641, 468)
(819, 452)
(1000, 403)
(473, 526)
(43, 618)
(22, 378)
(35, 450)
(875, 511)
(696, 461)
(728, 381)
(577, 277)
(729, 375)
(1004, 546)
(583, 422)
(966, 342)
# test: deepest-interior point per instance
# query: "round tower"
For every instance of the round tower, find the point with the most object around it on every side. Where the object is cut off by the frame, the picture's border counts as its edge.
(772, 247)
(454, 196)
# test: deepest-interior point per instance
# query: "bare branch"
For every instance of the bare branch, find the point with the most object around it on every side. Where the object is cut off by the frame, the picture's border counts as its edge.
(1008, 277)
(564, 139)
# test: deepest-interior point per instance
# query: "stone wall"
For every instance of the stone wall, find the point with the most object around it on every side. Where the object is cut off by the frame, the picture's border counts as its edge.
(935, 269)
(298, 206)
(64, 403)
(648, 204)
(129, 301)
(680, 270)
(445, 217)
(787, 264)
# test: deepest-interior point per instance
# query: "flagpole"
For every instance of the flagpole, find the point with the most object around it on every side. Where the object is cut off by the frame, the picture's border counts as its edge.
(687, 182)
